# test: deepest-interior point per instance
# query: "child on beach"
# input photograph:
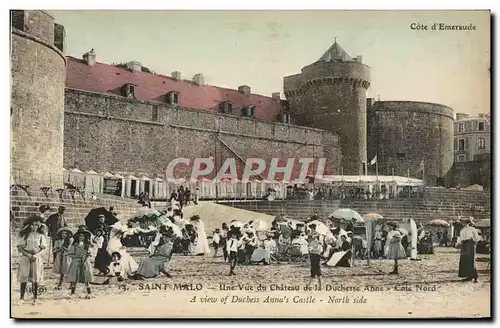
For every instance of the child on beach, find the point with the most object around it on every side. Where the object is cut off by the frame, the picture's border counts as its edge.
(80, 269)
(62, 260)
(216, 241)
(394, 249)
(31, 261)
(233, 245)
(115, 268)
(315, 249)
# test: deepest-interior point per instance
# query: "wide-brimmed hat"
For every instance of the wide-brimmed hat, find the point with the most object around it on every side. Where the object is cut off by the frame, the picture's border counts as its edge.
(61, 208)
(467, 220)
(67, 229)
(81, 231)
(393, 224)
(195, 218)
(116, 254)
(82, 227)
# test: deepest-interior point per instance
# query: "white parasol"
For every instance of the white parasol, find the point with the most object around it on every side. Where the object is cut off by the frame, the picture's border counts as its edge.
(346, 214)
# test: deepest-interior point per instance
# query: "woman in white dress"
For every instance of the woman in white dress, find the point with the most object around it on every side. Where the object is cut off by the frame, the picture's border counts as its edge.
(115, 245)
(201, 247)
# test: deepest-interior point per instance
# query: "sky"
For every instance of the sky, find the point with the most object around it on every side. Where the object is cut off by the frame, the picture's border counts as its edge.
(259, 48)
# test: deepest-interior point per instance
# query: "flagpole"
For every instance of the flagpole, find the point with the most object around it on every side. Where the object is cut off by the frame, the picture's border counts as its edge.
(423, 169)
(409, 193)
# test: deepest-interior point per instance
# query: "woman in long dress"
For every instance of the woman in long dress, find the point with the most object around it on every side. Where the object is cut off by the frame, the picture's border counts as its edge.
(467, 265)
(201, 246)
(153, 265)
(394, 249)
(32, 250)
(115, 245)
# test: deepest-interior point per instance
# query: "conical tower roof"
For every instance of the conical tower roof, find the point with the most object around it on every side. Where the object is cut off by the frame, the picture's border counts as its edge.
(335, 52)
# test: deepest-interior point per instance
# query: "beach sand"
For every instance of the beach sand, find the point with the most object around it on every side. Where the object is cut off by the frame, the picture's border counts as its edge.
(388, 296)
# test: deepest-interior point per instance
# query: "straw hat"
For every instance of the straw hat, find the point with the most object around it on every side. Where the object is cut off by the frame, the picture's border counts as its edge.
(393, 224)
(67, 229)
(82, 231)
(467, 220)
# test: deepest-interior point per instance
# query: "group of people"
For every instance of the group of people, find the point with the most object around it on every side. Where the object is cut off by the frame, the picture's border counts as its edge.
(74, 251)
(75, 254)
(184, 196)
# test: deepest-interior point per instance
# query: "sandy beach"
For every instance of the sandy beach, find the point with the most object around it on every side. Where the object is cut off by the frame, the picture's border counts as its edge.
(428, 288)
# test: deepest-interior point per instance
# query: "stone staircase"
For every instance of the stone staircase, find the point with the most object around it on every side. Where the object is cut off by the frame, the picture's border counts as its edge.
(436, 203)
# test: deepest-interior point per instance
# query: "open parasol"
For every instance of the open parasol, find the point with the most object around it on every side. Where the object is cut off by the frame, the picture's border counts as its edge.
(346, 214)
(438, 223)
(485, 223)
(320, 227)
(92, 219)
(260, 225)
(372, 216)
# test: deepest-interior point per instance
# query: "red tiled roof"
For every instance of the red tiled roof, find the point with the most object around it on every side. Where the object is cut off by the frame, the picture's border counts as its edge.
(105, 78)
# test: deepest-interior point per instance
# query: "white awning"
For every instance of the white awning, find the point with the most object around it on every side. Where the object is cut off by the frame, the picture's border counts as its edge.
(131, 177)
(145, 178)
(119, 176)
(159, 180)
(91, 172)
(75, 170)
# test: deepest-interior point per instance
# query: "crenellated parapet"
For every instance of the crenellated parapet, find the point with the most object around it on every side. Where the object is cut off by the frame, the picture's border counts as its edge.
(303, 88)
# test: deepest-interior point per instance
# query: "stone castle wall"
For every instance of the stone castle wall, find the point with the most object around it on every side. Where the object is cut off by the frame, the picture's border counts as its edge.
(402, 133)
(112, 133)
(332, 96)
(38, 71)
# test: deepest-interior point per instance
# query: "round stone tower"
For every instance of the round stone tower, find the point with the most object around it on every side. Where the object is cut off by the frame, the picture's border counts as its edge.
(330, 94)
(38, 69)
(411, 137)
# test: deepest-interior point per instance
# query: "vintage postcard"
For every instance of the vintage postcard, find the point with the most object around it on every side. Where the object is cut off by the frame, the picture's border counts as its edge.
(250, 164)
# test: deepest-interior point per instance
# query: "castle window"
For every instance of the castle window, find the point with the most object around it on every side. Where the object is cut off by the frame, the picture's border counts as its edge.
(461, 158)
(480, 126)
(401, 155)
(461, 127)
(129, 91)
(284, 117)
(173, 98)
(155, 113)
(226, 107)
(461, 144)
(248, 111)
(481, 143)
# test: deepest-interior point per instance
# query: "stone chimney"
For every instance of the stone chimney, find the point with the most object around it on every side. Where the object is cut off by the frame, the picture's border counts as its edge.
(461, 116)
(177, 75)
(276, 96)
(245, 89)
(199, 79)
(89, 57)
(359, 59)
(134, 66)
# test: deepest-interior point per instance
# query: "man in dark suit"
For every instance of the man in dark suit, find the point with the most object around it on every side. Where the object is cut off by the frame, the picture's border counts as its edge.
(54, 223)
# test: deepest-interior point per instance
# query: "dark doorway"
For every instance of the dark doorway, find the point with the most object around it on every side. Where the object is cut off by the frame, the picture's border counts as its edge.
(133, 188)
(146, 187)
